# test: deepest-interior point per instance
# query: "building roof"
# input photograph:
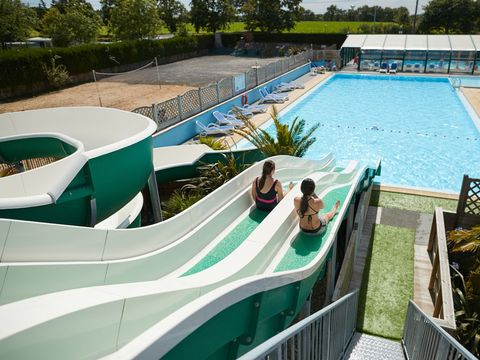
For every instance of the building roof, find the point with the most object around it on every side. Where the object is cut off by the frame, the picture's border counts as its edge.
(413, 42)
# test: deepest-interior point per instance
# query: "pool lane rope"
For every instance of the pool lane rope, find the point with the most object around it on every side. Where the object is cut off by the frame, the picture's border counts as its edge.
(376, 128)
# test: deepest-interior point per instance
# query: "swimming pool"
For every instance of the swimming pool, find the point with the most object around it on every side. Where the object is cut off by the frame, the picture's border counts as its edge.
(417, 126)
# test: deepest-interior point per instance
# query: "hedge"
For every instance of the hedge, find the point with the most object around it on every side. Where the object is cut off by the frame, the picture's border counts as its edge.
(230, 39)
(24, 66)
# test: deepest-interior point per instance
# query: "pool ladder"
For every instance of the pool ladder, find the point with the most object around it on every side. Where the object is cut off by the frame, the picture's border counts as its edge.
(456, 82)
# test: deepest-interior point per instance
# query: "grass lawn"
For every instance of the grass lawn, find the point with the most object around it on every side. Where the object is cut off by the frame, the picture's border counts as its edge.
(418, 203)
(387, 282)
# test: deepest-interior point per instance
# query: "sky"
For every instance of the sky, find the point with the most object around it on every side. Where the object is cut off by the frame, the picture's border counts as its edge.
(317, 6)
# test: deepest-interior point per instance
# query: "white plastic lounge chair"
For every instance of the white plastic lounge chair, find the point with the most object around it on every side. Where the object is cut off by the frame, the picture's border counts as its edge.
(269, 98)
(393, 68)
(241, 110)
(416, 68)
(283, 97)
(214, 129)
(288, 86)
(408, 67)
(227, 119)
(255, 108)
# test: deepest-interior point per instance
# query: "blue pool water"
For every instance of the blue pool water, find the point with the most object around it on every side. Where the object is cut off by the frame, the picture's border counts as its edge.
(417, 126)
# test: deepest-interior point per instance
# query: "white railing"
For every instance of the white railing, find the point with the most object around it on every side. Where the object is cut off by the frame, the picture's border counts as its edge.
(323, 335)
(423, 339)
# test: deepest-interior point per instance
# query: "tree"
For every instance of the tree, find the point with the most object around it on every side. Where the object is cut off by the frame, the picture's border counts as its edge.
(211, 15)
(271, 15)
(450, 16)
(16, 21)
(107, 6)
(306, 14)
(333, 13)
(172, 12)
(71, 22)
(135, 19)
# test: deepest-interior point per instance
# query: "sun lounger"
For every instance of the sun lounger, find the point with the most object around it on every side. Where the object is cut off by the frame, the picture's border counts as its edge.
(384, 68)
(393, 68)
(214, 129)
(269, 98)
(284, 86)
(256, 108)
(408, 67)
(416, 68)
(227, 119)
(277, 95)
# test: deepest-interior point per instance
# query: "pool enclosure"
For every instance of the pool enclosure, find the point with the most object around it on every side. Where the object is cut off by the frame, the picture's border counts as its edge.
(458, 54)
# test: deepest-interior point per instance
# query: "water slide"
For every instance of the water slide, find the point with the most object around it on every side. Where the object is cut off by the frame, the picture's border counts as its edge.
(73, 257)
(243, 292)
(97, 151)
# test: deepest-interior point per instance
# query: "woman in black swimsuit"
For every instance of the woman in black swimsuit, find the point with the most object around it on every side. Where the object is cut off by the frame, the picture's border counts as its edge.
(267, 191)
(308, 206)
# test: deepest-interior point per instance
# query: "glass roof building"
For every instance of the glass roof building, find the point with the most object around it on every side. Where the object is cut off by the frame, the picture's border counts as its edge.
(459, 54)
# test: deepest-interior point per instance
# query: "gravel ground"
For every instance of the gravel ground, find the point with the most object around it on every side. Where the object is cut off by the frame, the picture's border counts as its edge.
(141, 88)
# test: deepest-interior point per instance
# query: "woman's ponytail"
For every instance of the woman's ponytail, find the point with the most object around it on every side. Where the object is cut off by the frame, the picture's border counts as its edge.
(268, 167)
(307, 187)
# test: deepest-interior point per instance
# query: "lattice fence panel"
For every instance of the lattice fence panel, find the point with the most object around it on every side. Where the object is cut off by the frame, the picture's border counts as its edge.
(145, 111)
(225, 89)
(285, 65)
(278, 68)
(250, 79)
(270, 71)
(190, 103)
(168, 113)
(209, 96)
(262, 75)
(291, 62)
(472, 201)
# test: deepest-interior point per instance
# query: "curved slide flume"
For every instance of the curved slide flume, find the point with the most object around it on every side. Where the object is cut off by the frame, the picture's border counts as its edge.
(91, 146)
(100, 320)
(197, 235)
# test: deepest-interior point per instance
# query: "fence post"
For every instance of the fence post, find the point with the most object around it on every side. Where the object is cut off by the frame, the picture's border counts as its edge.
(155, 113)
(179, 104)
(200, 98)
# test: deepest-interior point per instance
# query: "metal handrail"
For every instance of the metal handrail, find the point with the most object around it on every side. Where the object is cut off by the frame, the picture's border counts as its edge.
(325, 334)
(424, 339)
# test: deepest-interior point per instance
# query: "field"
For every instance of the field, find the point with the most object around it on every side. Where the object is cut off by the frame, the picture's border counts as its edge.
(311, 27)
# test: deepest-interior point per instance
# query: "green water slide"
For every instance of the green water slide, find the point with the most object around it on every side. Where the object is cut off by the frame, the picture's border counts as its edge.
(103, 158)
(72, 257)
(245, 286)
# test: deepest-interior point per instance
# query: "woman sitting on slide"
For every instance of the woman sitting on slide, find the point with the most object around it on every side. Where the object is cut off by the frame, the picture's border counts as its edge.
(308, 206)
(267, 191)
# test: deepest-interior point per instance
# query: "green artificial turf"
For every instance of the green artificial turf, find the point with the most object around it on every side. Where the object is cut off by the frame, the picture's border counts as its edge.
(418, 203)
(387, 283)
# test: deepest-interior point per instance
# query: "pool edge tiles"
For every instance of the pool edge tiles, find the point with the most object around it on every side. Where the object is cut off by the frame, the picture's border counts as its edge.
(229, 243)
(305, 248)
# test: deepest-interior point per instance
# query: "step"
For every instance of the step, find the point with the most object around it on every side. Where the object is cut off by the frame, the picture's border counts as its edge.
(371, 347)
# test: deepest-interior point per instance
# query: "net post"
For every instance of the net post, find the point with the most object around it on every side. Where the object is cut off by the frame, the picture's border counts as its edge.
(158, 74)
(96, 86)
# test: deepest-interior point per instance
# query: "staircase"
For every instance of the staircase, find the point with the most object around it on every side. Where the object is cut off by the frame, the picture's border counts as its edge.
(363, 346)
(330, 334)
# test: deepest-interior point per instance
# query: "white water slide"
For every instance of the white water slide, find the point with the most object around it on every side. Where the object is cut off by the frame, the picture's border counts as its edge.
(141, 292)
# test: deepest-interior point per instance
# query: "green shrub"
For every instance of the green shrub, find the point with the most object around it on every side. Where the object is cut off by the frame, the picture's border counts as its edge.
(213, 143)
(179, 201)
(25, 66)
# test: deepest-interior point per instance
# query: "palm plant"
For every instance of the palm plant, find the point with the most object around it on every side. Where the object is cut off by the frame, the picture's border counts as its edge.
(289, 140)
(215, 175)
(467, 316)
(214, 144)
(465, 241)
(179, 201)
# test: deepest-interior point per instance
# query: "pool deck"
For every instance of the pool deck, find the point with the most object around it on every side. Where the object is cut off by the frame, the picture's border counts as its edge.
(307, 80)
(473, 97)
